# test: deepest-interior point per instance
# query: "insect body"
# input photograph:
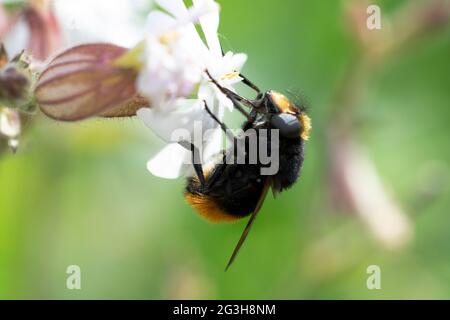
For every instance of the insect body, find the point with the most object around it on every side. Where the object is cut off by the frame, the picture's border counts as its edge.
(224, 191)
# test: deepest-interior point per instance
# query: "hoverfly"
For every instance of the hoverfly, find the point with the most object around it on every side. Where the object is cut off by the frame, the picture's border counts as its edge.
(224, 192)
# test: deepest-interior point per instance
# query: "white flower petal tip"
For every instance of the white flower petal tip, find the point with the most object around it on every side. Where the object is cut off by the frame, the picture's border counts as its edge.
(158, 23)
(210, 24)
(10, 125)
(169, 163)
(182, 124)
(163, 124)
(207, 9)
(239, 59)
(176, 8)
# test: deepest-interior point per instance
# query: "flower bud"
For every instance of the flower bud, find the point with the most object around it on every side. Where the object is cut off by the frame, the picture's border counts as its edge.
(85, 81)
(45, 34)
(16, 80)
(13, 84)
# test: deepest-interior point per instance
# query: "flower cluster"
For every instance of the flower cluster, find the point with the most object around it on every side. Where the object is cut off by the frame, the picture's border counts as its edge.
(162, 80)
(174, 80)
(16, 80)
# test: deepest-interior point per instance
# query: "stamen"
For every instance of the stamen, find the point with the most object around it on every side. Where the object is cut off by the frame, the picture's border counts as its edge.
(169, 37)
(230, 75)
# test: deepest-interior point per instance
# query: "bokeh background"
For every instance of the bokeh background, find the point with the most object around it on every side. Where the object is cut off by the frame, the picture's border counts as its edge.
(79, 193)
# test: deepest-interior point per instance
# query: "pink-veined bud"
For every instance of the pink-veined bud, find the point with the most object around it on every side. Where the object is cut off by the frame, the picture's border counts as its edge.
(7, 21)
(84, 81)
(3, 21)
(45, 34)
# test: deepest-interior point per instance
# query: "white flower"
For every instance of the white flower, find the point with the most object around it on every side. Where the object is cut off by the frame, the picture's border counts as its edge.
(80, 22)
(86, 21)
(174, 58)
(10, 126)
(175, 82)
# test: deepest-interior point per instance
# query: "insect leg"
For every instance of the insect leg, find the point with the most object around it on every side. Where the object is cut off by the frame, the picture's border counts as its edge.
(235, 98)
(250, 84)
(197, 163)
(229, 135)
(222, 125)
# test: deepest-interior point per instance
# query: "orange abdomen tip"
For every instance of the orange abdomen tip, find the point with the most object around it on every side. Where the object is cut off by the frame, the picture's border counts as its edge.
(209, 209)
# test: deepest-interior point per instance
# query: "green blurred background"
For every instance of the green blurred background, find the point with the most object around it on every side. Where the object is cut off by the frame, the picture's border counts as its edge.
(79, 194)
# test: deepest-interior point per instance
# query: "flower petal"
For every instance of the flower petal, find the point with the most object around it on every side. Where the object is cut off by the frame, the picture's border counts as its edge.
(188, 123)
(223, 99)
(170, 163)
(210, 26)
(175, 7)
(158, 23)
(206, 93)
(213, 145)
(238, 60)
(87, 21)
(174, 161)
(9, 122)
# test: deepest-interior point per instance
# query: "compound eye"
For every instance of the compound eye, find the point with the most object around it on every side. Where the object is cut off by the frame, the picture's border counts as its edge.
(288, 124)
